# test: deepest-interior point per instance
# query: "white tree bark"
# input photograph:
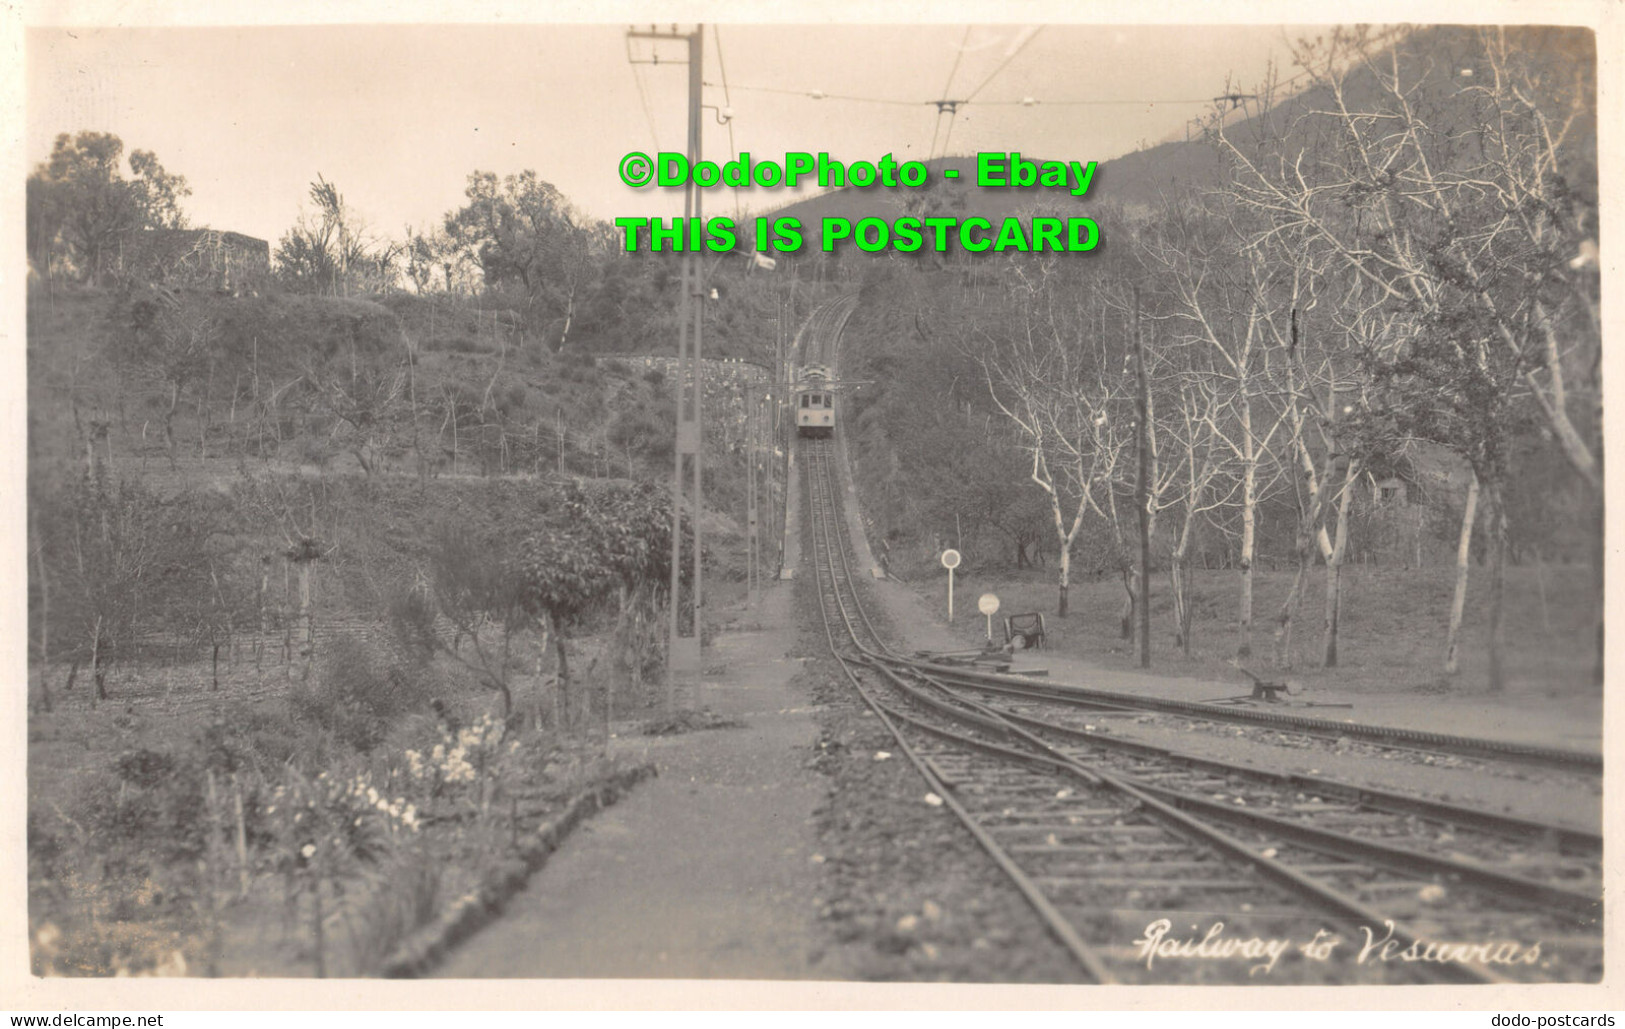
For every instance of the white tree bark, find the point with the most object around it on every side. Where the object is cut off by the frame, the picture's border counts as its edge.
(1458, 605)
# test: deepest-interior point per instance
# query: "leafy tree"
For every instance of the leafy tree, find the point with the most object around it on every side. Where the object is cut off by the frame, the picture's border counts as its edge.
(80, 199)
(524, 233)
(329, 251)
(474, 587)
(615, 540)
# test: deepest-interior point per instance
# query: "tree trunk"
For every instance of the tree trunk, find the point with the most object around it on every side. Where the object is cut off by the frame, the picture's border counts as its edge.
(1182, 602)
(1294, 598)
(1458, 605)
(1498, 561)
(569, 316)
(1334, 568)
(169, 425)
(307, 615)
(97, 672)
(564, 714)
(1125, 615)
(203, 422)
(1249, 531)
(44, 621)
(1066, 574)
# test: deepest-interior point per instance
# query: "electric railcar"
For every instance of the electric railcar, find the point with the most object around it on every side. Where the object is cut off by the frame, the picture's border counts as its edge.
(815, 404)
(815, 413)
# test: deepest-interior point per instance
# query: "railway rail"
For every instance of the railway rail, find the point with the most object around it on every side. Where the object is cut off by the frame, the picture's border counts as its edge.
(1383, 736)
(1151, 865)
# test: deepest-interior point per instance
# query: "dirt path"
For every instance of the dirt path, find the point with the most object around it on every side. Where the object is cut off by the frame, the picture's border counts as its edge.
(706, 871)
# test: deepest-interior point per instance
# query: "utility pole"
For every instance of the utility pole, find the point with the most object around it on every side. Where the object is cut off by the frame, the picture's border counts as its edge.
(1142, 448)
(753, 575)
(683, 652)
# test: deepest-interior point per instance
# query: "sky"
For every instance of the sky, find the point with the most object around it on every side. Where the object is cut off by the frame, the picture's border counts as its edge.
(397, 116)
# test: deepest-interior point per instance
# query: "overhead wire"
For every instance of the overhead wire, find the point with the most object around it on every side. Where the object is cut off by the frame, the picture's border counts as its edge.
(821, 95)
(647, 114)
(1005, 63)
(727, 100)
(942, 105)
(818, 94)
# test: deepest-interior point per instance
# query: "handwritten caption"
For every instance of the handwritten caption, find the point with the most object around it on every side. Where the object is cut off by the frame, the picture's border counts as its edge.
(1368, 947)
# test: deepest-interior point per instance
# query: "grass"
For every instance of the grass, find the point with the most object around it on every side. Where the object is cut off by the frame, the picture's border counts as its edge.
(1392, 637)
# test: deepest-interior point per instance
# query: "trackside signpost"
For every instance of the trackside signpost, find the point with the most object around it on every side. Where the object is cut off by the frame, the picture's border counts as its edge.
(988, 604)
(950, 561)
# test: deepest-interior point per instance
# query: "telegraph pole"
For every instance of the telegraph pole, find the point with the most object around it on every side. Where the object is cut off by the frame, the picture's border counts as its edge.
(683, 652)
(696, 306)
(753, 575)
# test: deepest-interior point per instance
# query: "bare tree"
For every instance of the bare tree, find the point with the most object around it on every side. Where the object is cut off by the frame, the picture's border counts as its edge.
(1218, 293)
(174, 340)
(1058, 383)
(1450, 176)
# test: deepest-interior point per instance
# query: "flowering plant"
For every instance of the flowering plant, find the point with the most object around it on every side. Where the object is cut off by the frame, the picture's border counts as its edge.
(465, 762)
(335, 821)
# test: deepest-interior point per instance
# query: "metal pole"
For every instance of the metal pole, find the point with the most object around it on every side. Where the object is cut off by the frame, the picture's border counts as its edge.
(696, 82)
(682, 655)
(752, 409)
(950, 596)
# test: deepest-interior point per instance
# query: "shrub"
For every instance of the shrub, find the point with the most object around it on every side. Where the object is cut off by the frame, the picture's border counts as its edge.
(360, 692)
(145, 768)
(162, 823)
(247, 738)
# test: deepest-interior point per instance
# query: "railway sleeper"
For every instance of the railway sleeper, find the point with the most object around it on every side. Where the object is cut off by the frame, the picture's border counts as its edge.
(1131, 882)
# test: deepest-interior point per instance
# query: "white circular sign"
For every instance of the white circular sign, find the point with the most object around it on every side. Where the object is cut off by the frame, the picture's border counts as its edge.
(988, 604)
(950, 559)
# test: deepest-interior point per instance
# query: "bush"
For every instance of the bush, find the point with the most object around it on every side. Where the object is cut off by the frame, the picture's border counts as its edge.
(646, 431)
(247, 738)
(145, 768)
(163, 823)
(360, 693)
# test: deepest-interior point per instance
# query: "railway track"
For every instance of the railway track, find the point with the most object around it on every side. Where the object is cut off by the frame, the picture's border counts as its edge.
(1150, 865)
(1405, 742)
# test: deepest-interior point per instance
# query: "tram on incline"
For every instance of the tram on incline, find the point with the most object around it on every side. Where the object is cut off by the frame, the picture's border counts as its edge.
(815, 403)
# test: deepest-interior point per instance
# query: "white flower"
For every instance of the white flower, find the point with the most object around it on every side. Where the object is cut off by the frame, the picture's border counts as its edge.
(308, 850)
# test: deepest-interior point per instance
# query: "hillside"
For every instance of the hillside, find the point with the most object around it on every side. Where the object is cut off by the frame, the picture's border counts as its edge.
(1172, 169)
